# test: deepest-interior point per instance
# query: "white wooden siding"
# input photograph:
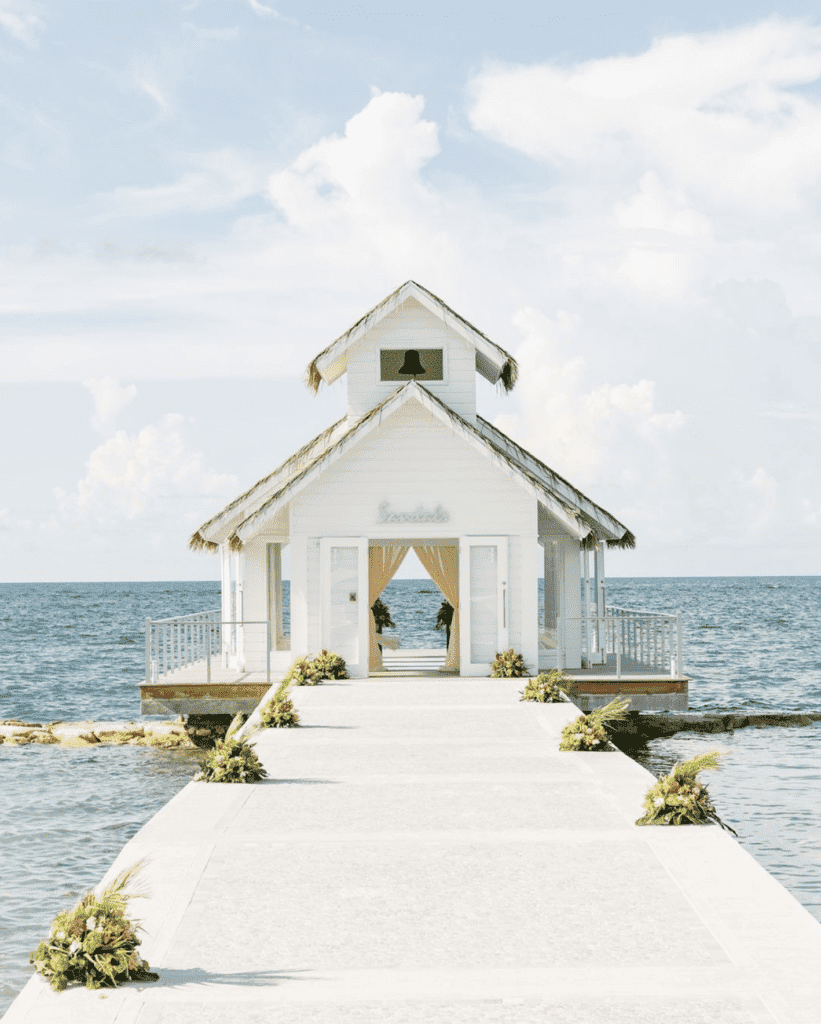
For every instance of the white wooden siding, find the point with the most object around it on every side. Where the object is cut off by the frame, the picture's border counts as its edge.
(412, 326)
(549, 526)
(413, 458)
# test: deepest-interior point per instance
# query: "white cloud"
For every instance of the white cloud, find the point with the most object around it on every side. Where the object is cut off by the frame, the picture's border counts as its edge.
(370, 171)
(590, 434)
(109, 399)
(717, 114)
(20, 20)
(264, 11)
(655, 208)
(223, 178)
(132, 474)
(146, 82)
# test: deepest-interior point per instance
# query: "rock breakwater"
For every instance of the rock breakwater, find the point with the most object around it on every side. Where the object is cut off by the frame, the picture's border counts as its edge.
(639, 728)
(87, 734)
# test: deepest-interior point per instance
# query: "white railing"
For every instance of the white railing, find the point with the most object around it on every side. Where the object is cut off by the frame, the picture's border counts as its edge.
(188, 640)
(636, 641)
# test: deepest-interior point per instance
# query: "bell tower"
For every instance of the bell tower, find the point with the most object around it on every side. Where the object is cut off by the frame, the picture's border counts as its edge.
(412, 335)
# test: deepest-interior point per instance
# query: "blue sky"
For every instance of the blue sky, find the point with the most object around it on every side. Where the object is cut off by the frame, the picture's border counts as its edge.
(195, 198)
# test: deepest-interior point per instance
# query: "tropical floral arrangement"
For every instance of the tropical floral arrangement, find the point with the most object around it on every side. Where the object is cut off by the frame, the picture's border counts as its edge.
(304, 672)
(680, 799)
(588, 732)
(549, 688)
(508, 665)
(279, 712)
(94, 944)
(330, 665)
(382, 615)
(231, 760)
(313, 671)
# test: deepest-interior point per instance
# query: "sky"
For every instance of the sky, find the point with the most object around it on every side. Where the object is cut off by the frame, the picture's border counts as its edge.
(197, 197)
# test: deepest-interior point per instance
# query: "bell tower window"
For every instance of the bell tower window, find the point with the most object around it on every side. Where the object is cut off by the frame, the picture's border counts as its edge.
(401, 364)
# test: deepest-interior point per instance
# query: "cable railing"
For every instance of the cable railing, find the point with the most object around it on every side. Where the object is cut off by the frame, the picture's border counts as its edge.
(637, 641)
(186, 641)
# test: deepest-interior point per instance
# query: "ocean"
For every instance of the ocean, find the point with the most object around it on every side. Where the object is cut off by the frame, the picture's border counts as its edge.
(73, 651)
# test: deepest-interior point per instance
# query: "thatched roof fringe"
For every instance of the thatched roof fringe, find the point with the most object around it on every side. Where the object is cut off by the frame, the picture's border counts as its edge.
(627, 541)
(590, 542)
(313, 378)
(199, 543)
(234, 543)
(509, 375)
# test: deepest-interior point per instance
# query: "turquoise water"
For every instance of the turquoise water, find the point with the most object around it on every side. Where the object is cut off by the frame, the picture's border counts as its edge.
(73, 651)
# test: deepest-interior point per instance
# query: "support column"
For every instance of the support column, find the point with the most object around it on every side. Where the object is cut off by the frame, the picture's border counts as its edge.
(529, 561)
(299, 596)
(225, 600)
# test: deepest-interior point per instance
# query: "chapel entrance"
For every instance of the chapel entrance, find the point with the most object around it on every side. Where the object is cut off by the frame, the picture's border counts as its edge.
(396, 651)
(471, 574)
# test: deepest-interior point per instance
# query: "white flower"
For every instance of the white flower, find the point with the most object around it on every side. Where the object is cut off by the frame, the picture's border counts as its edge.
(91, 924)
(74, 947)
(658, 801)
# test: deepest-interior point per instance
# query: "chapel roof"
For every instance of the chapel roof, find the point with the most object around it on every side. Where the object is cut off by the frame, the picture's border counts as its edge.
(492, 361)
(245, 515)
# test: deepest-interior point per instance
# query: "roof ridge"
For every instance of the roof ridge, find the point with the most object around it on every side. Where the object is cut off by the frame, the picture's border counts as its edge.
(508, 375)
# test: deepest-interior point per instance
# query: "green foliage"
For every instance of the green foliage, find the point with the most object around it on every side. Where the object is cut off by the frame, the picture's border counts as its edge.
(588, 732)
(508, 665)
(680, 799)
(382, 616)
(231, 760)
(549, 688)
(94, 944)
(279, 712)
(304, 672)
(313, 671)
(444, 617)
(332, 666)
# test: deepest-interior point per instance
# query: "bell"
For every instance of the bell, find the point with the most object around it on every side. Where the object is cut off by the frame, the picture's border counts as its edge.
(412, 365)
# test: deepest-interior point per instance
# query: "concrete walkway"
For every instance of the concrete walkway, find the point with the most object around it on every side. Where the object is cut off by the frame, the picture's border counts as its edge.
(423, 853)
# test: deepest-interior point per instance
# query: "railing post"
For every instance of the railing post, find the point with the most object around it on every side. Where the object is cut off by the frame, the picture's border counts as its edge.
(148, 651)
(618, 644)
(679, 666)
(208, 654)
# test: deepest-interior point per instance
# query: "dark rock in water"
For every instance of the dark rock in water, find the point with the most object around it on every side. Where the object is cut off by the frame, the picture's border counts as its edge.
(639, 727)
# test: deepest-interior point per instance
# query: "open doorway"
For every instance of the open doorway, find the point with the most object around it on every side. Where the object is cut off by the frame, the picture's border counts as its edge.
(413, 619)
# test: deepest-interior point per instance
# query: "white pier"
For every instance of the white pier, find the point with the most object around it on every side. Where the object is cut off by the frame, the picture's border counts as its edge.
(422, 853)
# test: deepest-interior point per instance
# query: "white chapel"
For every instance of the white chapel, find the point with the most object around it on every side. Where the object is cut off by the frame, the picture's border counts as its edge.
(412, 466)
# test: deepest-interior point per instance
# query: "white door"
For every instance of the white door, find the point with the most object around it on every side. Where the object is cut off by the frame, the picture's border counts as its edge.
(483, 602)
(345, 619)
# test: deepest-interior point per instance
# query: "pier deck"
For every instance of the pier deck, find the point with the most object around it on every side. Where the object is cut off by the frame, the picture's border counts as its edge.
(423, 853)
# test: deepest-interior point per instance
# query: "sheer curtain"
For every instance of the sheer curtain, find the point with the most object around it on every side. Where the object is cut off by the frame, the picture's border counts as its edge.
(442, 565)
(383, 563)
